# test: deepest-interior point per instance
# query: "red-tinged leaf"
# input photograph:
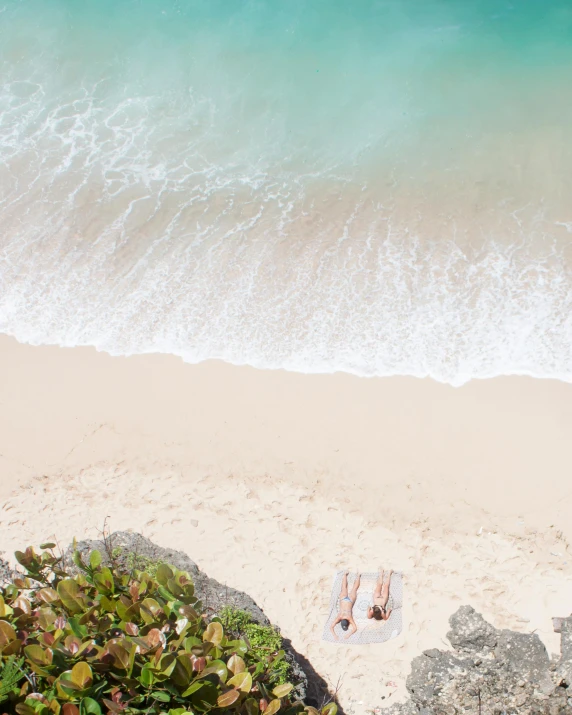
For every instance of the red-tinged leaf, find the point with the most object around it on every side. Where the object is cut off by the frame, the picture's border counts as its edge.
(199, 664)
(38, 655)
(70, 709)
(12, 648)
(38, 696)
(120, 656)
(22, 604)
(227, 699)
(131, 629)
(155, 638)
(7, 634)
(46, 639)
(47, 595)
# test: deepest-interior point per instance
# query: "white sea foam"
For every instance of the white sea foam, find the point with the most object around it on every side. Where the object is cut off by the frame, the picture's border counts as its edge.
(203, 220)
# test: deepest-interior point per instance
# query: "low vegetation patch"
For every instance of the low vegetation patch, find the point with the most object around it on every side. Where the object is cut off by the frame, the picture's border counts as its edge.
(262, 640)
(126, 640)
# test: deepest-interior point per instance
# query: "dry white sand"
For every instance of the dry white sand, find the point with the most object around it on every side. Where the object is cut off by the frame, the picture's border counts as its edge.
(271, 481)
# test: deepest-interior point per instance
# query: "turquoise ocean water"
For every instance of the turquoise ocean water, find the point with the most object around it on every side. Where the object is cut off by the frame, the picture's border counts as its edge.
(380, 187)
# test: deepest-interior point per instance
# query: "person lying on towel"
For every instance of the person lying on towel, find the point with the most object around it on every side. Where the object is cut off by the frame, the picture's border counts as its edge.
(345, 617)
(380, 598)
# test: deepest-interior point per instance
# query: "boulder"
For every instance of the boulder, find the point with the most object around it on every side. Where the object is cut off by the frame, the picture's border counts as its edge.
(489, 672)
(564, 665)
(470, 632)
(525, 656)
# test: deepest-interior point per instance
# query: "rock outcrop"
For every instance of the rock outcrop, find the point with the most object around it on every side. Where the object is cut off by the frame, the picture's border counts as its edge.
(490, 672)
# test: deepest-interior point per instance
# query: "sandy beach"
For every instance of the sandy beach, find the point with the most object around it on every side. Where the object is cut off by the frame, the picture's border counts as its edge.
(271, 481)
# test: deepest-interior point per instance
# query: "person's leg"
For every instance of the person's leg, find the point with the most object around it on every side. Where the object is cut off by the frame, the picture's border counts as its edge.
(379, 584)
(353, 594)
(385, 590)
(344, 591)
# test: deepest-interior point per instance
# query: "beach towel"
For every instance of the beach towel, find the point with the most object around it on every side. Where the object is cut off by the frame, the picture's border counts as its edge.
(368, 630)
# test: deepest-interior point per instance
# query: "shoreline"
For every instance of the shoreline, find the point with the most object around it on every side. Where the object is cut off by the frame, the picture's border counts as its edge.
(323, 370)
(272, 480)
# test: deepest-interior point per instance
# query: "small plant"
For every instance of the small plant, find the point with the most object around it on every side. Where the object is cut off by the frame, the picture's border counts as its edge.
(10, 675)
(131, 561)
(123, 642)
(263, 640)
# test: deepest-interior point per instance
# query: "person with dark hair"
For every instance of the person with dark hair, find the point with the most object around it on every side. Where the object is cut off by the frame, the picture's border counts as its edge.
(345, 617)
(380, 598)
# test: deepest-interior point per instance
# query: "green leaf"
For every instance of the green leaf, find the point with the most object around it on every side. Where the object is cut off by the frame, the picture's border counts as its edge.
(4, 609)
(241, 681)
(161, 696)
(216, 667)
(94, 559)
(273, 707)
(108, 605)
(88, 706)
(147, 677)
(78, 560)
(66, 684)
(163, 574)
(119, 655)
(329, 709)
(48, 545)
(182, 672)
(227, 699)
(251, 707)
(69, 593)
(281, 691)
(82, 675)
(37, 655)
(236, 664)
(151, 611)
(193, 687)
(104, 580)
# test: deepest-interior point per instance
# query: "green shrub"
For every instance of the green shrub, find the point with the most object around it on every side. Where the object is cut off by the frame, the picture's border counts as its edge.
(108, 641)
(261, 639)
(130, 561)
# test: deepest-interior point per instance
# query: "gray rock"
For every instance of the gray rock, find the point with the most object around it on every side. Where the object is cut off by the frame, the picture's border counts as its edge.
(470, 632)
(489, 672)
(524, 655)
(564, 665)
(431, 672)
(6, 572)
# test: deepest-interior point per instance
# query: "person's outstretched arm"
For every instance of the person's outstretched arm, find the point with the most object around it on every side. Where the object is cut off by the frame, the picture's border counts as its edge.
(334, 624)
(386, 615)
(352, 629)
